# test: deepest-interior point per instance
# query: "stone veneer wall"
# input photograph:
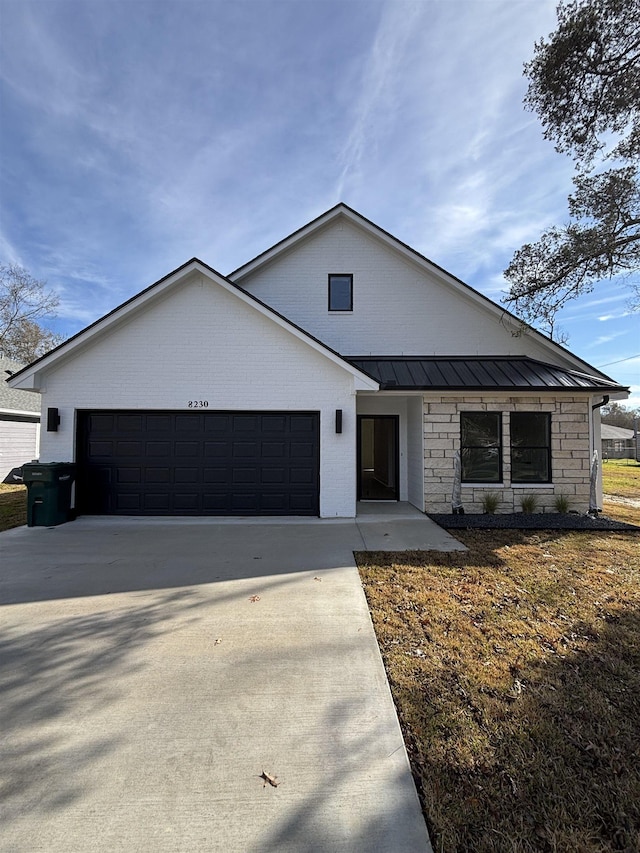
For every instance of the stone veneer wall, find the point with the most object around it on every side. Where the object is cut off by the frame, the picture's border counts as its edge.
(570, 451)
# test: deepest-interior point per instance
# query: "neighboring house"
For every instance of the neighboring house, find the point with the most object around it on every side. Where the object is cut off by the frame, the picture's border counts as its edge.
(618, 442)
(340, 365)
(19, 422)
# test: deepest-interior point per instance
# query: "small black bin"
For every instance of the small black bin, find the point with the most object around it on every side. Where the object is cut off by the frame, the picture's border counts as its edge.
(48, 492)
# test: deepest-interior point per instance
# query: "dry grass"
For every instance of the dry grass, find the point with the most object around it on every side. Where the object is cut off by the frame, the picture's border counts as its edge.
(621, 477)
(13, 506)
(515, 668)
(621, 511)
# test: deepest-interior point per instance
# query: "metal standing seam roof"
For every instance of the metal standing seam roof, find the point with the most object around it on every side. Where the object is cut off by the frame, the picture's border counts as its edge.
(478, 373)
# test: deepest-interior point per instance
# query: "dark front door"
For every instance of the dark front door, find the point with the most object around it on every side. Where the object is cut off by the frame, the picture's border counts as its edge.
(198, 463)
(378, 458)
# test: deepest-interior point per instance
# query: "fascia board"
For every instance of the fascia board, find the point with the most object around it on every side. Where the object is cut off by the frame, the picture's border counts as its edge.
(21, 413)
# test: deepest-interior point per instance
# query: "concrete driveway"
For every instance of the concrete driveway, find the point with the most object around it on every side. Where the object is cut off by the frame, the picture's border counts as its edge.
(151, 670)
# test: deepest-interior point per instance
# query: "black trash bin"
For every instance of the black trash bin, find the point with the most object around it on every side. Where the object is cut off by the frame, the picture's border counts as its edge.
(48, 492)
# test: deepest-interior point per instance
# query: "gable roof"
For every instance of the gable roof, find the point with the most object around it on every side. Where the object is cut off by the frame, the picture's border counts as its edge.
(13, 401)
(29, 376)
(473, 373)
(343, 210)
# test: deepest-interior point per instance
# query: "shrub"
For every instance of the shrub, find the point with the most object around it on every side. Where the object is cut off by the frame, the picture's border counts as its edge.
(529, 503)
(561, 503)
(490, 502)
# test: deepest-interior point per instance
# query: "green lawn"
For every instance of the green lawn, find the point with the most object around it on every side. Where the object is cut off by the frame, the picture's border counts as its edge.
(621, 478)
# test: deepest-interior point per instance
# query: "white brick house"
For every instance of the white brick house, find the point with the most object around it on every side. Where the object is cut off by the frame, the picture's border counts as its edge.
(338, 366)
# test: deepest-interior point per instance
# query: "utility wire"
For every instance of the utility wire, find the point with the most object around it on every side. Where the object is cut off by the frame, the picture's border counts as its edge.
(620, 360)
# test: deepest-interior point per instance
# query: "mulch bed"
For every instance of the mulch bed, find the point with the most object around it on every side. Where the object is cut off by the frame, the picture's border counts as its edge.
(529, 521)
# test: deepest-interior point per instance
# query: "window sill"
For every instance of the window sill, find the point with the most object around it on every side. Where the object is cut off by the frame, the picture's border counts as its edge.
(531, 485)
(483, 485)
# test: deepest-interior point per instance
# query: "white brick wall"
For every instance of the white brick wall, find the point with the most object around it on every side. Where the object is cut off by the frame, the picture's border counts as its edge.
(202, 343)
(398, 308)
(570, 451)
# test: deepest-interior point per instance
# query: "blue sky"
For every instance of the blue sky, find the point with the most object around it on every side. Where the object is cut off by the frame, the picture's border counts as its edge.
(135, 135)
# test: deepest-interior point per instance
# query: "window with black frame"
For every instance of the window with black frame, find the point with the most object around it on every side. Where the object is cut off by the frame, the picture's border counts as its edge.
(481, 447)
(530, 447)
(340, 292)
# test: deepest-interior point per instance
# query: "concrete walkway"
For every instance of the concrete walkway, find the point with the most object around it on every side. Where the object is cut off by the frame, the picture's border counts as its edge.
(151, 670)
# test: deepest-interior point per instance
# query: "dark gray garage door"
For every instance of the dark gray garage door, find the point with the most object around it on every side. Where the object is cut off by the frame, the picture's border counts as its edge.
(198, 463)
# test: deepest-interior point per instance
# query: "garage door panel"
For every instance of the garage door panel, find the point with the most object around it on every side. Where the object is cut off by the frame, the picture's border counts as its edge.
(302, 449)
(187, 448)
(187, 423)
(215, 503)
(156, 501)
(216, 422)
(245, 423)
(158, 448)
(157, 475)
(100, 448)
(129, 423)
(274, 423)
(303, 423)
(216, 449)
(216, 475)
(245, 449)
(198, 463)
(244, 476)
(129, 475)
(186, 502)
(129, 448)
(101, 423)
(128, 502)
(158, 423)
(275, 449)
(300, 504)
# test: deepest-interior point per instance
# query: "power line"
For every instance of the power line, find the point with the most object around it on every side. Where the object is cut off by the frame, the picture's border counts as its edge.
(620, 360)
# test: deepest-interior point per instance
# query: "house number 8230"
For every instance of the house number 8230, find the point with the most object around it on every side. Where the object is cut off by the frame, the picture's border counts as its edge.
(198, 404)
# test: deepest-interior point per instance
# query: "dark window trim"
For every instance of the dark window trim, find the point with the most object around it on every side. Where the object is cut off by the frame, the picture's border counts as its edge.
(500, 448)
(546, 447)
(340, 275)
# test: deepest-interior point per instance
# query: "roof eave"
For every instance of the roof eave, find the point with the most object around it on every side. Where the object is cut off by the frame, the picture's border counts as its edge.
(520, 389)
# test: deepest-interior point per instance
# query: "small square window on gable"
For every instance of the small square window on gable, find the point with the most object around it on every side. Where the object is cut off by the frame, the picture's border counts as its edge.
(340, 292)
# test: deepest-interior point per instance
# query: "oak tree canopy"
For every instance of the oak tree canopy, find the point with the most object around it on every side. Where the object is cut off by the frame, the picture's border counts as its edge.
(584, 85)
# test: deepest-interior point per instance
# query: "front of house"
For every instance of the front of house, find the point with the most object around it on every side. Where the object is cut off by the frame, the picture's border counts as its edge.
(338, 366)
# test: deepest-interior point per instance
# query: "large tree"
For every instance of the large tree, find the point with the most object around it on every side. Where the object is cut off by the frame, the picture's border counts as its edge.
(24, 301)
(618, 415)
(584, 84)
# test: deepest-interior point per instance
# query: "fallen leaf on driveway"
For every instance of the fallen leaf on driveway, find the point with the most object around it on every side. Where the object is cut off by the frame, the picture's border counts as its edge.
(218, 641)
(317, 579)
(272, 780)
(254, 598)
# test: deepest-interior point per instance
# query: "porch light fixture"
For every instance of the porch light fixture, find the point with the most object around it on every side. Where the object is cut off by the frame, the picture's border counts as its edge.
(338, 421)
(53, 420)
